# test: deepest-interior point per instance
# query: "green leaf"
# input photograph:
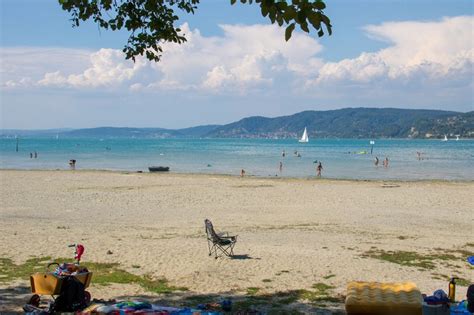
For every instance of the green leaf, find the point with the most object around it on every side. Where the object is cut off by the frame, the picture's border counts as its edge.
(304, 27)
(320, 5)
(315, 20)
(289, 30)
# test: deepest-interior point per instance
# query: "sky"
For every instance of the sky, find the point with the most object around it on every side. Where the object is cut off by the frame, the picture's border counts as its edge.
(235, 64)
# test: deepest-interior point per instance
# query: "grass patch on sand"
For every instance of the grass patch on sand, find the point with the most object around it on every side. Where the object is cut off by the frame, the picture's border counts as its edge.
(404, 258)
(319, 294)
(252, 291)
(414, 259)
(103, 274)
(10, 271)
(463, 282)
(459, 281)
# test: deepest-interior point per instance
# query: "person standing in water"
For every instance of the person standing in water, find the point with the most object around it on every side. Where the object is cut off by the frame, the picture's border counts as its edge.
(72, 164)
(36, 155)
(376, 162)
(281, 167)
(385, 162)
(283, 153)
(319, 168)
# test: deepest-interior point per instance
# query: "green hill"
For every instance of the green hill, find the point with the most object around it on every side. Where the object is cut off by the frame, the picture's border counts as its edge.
(341, 123)
(353, 123)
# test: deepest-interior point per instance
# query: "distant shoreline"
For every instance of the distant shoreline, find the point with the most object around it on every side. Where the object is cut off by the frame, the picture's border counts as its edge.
(350, 123)
(256, 177)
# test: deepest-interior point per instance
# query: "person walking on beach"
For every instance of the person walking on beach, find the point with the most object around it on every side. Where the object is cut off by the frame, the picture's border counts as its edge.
(319, 168)
(376, 162)
(242, 173)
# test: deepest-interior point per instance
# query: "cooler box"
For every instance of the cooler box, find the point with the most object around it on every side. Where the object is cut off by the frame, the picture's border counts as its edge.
(374, 298)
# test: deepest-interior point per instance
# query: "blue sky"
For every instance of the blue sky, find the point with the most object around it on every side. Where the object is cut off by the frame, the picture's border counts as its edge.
(408, 54)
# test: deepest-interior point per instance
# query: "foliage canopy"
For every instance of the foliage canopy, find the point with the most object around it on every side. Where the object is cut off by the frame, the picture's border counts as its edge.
(152, 22)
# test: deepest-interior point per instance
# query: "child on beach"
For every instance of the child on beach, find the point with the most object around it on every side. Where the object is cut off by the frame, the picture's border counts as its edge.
(242, 173)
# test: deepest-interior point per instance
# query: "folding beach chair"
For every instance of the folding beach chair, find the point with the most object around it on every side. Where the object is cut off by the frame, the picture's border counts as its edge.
(224, 243)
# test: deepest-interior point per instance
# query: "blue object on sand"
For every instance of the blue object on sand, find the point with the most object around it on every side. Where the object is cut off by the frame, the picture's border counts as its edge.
(470, 260)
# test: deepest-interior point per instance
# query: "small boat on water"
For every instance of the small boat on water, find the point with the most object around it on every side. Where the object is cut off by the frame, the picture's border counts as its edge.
(304, 138)
(158, 169)
(445, 138)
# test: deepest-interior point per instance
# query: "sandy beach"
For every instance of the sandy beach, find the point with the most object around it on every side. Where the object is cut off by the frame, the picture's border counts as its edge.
(292, 233)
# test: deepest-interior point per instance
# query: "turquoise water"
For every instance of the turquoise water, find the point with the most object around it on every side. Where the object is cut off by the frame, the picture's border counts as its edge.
(451, 160)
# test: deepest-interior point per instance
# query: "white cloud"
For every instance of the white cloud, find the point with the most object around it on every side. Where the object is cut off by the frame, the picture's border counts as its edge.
(432, 50)
(432, 56)
(107, 68)
(24, 66)
(245, 57)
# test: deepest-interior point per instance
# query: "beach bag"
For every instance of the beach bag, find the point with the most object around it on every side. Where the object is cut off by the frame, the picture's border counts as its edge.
(72, 297)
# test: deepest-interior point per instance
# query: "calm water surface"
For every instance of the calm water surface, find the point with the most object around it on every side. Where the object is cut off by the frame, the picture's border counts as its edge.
(341, 158)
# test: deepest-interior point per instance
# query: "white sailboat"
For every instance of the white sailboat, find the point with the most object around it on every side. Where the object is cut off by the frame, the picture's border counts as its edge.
(457, 137)
(304, 137)
(445, 138)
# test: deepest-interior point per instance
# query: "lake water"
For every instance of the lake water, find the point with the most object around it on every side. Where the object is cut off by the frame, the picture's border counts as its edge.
(341, 158)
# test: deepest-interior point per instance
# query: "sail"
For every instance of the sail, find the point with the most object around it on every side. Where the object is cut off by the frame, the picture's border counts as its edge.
(304, 137)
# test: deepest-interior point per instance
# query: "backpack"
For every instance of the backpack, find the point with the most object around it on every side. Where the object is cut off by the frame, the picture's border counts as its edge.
(72, 296)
